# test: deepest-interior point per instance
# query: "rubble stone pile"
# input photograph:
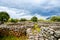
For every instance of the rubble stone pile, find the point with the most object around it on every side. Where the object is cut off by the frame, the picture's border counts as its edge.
(46, 33)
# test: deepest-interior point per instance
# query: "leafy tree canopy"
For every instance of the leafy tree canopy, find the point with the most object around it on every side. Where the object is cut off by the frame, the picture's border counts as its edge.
(23, 19)
(55, 18)
(34, 19)
(4, 16)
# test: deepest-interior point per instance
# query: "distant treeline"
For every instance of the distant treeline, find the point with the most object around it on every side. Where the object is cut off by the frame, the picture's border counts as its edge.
(5, 17)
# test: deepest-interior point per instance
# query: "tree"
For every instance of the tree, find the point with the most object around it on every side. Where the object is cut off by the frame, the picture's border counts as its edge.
(55, 18)
(34, 19)
(23, 19)
(4, 16)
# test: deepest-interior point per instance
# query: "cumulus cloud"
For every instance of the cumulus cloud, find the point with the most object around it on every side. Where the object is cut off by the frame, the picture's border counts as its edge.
(29, 3)
(14, 13)
(18, 13)
(29, 8)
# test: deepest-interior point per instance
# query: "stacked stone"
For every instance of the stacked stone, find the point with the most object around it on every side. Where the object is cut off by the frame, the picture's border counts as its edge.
(30, 34)
(46, 33)
(36, 35)
(12, 30)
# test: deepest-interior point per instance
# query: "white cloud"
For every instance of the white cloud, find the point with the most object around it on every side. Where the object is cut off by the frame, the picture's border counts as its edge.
(40, 17)
(16, 13)
(24, 3)
(37, 15)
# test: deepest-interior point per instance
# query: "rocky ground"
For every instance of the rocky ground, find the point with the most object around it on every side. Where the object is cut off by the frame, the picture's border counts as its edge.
(48, 31)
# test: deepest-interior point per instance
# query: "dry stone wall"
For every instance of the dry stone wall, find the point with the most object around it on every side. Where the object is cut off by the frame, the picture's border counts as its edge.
(46, 33)
(49, 31)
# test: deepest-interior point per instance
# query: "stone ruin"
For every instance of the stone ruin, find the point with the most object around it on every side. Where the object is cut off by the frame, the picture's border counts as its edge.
(46, 33)
(49, 31)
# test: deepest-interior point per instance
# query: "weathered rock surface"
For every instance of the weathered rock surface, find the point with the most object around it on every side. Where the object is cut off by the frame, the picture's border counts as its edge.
(49, 31)
(46, 33)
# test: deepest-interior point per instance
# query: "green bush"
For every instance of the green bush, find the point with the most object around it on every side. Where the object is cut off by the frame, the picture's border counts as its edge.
(34, 19)
(13, 20)
(23, 19)
(55, 18)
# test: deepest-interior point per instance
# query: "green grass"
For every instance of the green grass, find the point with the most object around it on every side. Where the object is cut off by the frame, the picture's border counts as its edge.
(12, 38)
(36, 28)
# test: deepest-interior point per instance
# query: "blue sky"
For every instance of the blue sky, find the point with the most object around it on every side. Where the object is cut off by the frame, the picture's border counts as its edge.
(29, 8)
